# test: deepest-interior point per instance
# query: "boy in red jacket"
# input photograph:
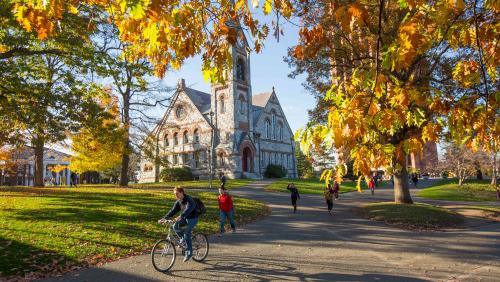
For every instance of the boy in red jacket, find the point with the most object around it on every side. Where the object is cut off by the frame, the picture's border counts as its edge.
(226, 209)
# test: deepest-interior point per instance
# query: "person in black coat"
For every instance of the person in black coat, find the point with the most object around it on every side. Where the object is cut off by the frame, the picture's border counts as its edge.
(294, 195)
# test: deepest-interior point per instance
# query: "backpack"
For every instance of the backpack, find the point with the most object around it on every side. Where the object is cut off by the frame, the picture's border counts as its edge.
(200, 207)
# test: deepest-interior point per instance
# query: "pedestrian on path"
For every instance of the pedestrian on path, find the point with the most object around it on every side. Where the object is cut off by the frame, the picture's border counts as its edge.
(414, 178)
(222, 179)
(226, 209)
(371, 185)
(294, 194)
(328, 193)
(336, 189)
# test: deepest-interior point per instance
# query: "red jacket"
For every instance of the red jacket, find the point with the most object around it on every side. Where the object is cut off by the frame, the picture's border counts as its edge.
(225, 202)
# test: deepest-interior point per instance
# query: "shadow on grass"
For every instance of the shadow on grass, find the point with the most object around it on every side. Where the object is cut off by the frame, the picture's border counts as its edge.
(20, 259)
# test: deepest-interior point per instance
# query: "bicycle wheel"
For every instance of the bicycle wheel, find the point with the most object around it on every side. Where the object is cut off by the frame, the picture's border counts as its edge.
(163, 255)
(200, 247)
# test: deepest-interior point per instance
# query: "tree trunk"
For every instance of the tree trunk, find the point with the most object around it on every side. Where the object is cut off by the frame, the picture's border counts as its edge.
(402, 187)
(126, 143)
(38, 145)
(494, 173)
(157, 158)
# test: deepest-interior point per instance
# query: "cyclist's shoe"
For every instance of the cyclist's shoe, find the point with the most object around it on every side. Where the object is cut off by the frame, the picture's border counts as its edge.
(187, 257)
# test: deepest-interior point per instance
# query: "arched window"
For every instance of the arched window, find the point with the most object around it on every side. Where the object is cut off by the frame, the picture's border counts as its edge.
(176, 139)
(165, 141)
(185, 138)
(196, 136)
(240, 70)
(280, 131)
(179, 111)
(243, 104)
(273, 119)
(267, 125)
(222, 105)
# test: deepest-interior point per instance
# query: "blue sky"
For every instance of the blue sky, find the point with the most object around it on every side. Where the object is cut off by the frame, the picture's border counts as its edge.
(267, 70)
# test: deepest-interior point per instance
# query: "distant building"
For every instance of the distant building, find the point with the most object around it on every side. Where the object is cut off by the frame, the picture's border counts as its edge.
(20, 168)
(249, 131)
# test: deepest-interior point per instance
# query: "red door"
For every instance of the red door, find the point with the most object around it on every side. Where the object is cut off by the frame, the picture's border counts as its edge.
(245, 160)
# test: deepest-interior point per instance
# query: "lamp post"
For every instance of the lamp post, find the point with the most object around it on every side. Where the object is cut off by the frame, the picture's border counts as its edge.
(210, 159)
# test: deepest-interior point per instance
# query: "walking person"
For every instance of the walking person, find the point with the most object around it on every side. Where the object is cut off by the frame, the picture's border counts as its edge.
(294, 195)
(73, 180)
(371, 185)
(188, 218)
(414, 178)
(336, 189)
(222, 179)
(328, 193)
(226, 209)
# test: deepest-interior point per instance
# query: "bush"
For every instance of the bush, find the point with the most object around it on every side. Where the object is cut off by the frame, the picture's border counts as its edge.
(275, 171)
(176, 174)
(444, 174)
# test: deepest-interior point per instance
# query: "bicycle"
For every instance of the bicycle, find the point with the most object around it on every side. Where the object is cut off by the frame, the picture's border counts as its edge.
(164, 252)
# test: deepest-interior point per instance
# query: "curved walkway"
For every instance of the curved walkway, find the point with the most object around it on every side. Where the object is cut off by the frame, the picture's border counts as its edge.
(314, 246)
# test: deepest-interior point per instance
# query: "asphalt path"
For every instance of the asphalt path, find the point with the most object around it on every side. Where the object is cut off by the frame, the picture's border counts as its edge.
(312, 245)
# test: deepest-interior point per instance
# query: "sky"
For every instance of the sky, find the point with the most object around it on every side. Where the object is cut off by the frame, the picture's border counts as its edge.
(267, 69)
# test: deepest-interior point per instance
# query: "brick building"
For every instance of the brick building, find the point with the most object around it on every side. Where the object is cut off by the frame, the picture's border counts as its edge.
(241, 133)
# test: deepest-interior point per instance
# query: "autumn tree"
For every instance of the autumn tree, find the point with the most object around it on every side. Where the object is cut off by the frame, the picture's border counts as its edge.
(98, 145)
(462, 161)
(43, 96)
(390, 67)
(304, 165)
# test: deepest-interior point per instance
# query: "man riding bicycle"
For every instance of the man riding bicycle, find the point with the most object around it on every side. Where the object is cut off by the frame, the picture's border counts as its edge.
(188, 217)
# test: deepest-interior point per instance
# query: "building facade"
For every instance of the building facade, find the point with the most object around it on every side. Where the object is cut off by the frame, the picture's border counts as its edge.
(229, 130)
(19, 170)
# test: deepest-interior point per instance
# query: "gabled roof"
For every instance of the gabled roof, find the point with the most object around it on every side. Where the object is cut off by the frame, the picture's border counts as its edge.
(261, 99)
(256, 111)
(200, 99)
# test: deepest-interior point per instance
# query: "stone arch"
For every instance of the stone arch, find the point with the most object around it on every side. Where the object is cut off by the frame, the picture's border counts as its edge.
(247, 152)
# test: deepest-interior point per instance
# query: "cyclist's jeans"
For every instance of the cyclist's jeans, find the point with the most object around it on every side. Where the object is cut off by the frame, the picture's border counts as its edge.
(190, 224)
(223, 216)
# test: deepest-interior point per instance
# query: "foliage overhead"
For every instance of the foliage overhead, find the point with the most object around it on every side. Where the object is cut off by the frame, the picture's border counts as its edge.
(398, 74)
(166, 32)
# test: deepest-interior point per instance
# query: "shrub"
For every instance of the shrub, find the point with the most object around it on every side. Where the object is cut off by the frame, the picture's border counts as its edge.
(444, 174)
(275, 171)
(176, 174)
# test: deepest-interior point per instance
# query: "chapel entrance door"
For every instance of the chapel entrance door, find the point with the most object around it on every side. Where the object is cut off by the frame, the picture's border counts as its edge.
(246, 160)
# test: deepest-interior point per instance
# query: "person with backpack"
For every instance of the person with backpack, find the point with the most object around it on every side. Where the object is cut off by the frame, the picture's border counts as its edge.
(336, 189)
(226, 209)
(328, 194)
(294, 194)
(188, 218)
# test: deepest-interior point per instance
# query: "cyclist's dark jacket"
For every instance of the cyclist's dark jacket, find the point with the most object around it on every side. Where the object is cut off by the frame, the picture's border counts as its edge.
(189, 208)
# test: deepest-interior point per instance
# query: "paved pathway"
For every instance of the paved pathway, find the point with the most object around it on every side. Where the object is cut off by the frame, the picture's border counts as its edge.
(314, 246)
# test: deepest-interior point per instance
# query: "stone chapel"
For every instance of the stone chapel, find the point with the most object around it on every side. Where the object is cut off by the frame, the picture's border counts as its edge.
(241, 133)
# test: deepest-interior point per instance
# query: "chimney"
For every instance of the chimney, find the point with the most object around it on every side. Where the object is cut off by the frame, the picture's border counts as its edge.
(181, 83)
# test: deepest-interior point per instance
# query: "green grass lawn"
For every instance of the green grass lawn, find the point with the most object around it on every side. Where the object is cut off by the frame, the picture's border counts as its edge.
(195, 184)
(47, 230)
(310, 186)
(414, 216)
(473, 191)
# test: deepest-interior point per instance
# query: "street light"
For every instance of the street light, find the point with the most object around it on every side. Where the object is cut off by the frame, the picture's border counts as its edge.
(211, 151)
